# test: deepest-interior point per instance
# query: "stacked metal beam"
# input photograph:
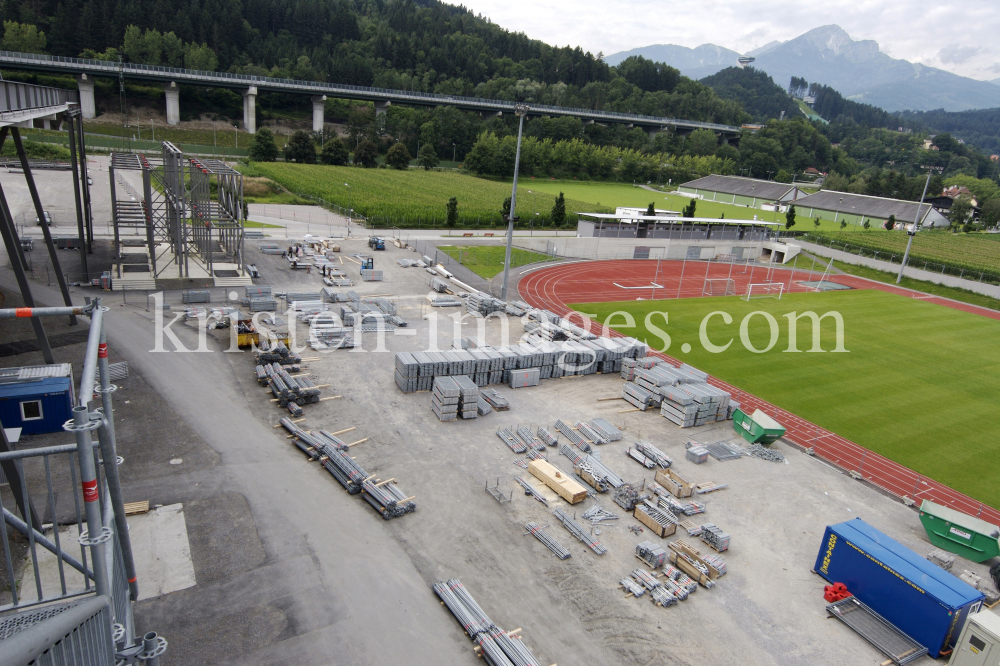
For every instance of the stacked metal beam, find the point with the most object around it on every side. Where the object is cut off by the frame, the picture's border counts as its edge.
(603, 428)
(484, 304)
(288, 389)
(495, 399)
(438, 285)
(674, 505)
(516, 308)
(577, 530)
(468, 398)
(654, 454)
(547, 438)
(522, 378)
(510, 439)
(635, 455)
(530, 490)
(598, 514)
(654, 556)
(632, 587)
(550, 543)
(530, 441)
(589, 433)
(445, 397)
(293, 296)
(715, 537)
(626, 496)
(371, 275)
(387, 499)
(573, 436)
(482, 406)
(637, 396)
(276, 352)
(498, 647)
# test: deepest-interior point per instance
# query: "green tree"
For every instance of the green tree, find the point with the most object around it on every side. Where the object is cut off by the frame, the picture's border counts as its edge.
(651, 210)
(843, 224)
(300, 148)
(816, 223)
(200, 57)
(559, 211)
(990, 213)
(867, 224)
(366, 154)
(505, 209)
(23, 37)
(398, 156)
(173, 50)
(690, 208)
(790, 217)
(702, 142)
(890, 224)
(961, 208)
(427, 158)
(452, 208)
(262, 147)
(783, 176)
(334, 152)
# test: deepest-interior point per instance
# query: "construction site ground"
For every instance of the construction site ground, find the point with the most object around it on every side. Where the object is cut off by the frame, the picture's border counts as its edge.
(292, 569)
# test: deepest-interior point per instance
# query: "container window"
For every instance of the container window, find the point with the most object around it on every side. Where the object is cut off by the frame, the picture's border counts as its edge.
(31, 410)
(975, 642)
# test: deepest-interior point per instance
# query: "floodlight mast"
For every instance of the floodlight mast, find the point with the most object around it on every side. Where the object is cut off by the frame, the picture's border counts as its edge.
(913, 231)
(521, 110)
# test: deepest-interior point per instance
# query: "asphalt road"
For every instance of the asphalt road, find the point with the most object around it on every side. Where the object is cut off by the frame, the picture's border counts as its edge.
(351, 595)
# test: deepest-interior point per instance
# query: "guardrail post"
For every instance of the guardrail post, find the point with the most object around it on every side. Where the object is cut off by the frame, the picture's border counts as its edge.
(95, 535)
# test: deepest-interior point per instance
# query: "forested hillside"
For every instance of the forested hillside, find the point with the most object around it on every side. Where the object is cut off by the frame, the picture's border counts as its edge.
(980, 128)
(756, 92)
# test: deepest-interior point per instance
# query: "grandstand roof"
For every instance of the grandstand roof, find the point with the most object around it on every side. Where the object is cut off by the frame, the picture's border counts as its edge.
(767, 190)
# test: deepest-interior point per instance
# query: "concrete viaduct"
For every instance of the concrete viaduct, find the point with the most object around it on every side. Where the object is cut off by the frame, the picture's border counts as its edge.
(171, 78)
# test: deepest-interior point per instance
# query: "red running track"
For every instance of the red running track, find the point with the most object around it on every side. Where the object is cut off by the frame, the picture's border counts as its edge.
(602, 281)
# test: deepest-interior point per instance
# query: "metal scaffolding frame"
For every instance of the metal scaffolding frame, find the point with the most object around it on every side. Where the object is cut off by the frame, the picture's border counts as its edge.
(183, 221)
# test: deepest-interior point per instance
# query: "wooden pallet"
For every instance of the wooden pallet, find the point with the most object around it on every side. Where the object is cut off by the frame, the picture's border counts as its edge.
(133, 508)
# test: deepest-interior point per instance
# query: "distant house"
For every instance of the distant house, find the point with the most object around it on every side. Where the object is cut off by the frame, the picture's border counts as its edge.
(860, 208)
(749, 192)
(956, 191)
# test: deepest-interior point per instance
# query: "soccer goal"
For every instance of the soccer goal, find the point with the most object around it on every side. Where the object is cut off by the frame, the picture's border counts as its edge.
(719, 287)
(765, 290)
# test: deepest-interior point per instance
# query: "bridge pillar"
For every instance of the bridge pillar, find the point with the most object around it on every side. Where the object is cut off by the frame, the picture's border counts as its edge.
(382, 107)
(86, 86)
(653, 131)
(250, 110)
(173, 95)
(319, 105)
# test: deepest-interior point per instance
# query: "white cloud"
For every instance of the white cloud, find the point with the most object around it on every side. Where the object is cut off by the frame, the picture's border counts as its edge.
(908, 30)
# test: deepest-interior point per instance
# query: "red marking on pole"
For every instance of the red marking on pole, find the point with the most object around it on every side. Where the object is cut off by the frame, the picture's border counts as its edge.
(90, 491)
(22, 312)
(132, 579)
(102, 350)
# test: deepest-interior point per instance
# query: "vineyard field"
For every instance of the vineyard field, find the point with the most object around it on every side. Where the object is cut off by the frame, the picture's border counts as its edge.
(973, 252)
(413, 198)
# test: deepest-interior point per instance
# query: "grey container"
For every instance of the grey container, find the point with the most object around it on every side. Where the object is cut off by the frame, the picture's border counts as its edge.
(522, 378)
(697, 454)
(195, 297)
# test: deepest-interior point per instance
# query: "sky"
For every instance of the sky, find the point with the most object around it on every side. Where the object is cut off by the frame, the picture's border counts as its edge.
(949, 35)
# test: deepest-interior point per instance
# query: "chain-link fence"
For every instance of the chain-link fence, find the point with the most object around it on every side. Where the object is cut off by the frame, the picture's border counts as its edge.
(896, 257)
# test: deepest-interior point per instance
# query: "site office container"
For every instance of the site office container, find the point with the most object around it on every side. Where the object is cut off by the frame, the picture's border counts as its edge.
(921, 599)
(37, 406)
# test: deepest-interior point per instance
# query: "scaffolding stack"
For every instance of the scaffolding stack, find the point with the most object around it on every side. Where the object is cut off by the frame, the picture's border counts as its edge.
(445, 397)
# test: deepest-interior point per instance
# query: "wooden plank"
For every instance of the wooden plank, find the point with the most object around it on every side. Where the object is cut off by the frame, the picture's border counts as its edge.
(556, 479)
(132, 508)
(674, 482)
(687, 568)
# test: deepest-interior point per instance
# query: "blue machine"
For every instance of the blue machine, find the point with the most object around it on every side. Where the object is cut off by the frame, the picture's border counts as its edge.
(921, 599)
(37, 406)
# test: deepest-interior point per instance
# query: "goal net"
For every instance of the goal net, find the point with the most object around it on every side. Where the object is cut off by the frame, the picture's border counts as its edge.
(719, 287)
(764, 290)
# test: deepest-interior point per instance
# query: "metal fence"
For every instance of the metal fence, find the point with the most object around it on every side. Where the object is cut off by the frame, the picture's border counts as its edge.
(896, 257)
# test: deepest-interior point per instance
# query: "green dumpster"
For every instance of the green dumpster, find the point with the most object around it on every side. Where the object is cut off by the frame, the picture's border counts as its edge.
(958, 533)
(757, 429)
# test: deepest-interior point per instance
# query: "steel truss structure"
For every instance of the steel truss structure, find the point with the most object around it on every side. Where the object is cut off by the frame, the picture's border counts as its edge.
(189, 215)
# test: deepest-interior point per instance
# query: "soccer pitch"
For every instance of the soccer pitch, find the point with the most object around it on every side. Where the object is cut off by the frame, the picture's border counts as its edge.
(917, 384)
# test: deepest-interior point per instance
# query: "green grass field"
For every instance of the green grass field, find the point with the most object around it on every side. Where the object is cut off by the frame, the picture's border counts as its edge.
(963, 295)
(487, 260)
(918, 384)
(412, 198)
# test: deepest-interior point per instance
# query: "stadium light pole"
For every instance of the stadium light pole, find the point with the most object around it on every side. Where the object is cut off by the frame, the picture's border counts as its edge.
(521, 110)
(913, 231)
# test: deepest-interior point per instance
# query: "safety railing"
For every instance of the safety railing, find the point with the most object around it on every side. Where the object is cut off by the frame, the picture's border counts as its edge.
(76, 633)
(104, 563)
(203, 77)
